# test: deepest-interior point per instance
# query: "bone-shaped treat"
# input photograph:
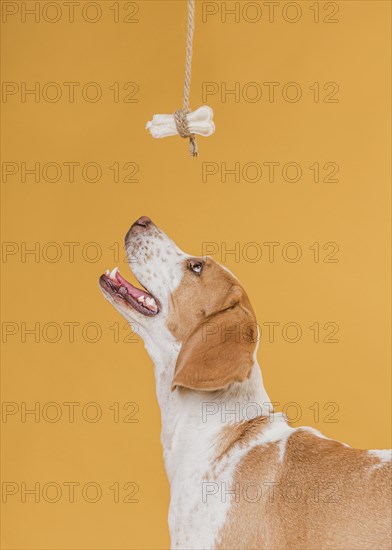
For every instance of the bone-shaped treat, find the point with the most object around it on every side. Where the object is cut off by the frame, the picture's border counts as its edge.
(199, 122)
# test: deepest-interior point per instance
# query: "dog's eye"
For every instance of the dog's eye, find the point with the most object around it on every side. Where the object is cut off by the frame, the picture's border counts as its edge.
(196, 266)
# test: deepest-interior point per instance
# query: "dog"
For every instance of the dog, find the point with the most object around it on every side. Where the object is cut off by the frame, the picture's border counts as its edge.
(238, 479)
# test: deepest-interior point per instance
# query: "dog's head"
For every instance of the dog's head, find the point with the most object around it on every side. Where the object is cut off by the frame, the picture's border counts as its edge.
(194, 300)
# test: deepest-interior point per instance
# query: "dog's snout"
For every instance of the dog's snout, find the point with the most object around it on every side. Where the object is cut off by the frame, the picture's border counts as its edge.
(140, 225)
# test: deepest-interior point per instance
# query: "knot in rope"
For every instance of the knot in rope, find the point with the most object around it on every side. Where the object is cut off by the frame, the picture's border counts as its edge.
(183, 130)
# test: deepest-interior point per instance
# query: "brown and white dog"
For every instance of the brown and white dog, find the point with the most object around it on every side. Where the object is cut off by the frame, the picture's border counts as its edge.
(240, 476)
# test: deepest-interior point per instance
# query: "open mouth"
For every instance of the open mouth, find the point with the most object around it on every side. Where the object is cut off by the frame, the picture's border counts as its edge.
(118, 287)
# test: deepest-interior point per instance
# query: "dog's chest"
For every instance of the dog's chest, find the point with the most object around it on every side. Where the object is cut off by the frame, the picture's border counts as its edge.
(197, 512)
(189, 454)
(201, 490)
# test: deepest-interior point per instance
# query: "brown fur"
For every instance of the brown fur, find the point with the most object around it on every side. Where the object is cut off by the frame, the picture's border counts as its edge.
(327, 496)
(218, 332)
(239, 434)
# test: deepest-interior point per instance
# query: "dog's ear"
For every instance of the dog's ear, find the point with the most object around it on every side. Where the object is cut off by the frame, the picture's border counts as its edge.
(220, 350)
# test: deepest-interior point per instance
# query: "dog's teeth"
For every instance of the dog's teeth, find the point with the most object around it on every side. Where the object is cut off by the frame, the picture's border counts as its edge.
(151, 302)
(107, 273)
(122, 290)
(113, 273)
(140, 299)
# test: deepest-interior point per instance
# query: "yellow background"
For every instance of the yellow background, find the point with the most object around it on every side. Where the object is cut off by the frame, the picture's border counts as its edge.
(353, 212)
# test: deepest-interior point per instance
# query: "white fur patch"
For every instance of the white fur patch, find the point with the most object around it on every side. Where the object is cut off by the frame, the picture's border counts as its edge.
(385, 455)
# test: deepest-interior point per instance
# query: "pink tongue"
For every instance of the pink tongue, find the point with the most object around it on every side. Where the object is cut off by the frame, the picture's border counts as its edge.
(135, 292)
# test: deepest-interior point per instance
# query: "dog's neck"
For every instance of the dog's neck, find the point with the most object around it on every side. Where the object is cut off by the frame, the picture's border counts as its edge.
(185, 412)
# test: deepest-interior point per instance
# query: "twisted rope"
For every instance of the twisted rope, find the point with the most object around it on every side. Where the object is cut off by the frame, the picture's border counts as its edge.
(180, 115)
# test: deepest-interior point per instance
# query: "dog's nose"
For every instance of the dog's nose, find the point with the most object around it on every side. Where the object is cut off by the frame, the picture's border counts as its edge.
(139, 226)
(143, 221)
